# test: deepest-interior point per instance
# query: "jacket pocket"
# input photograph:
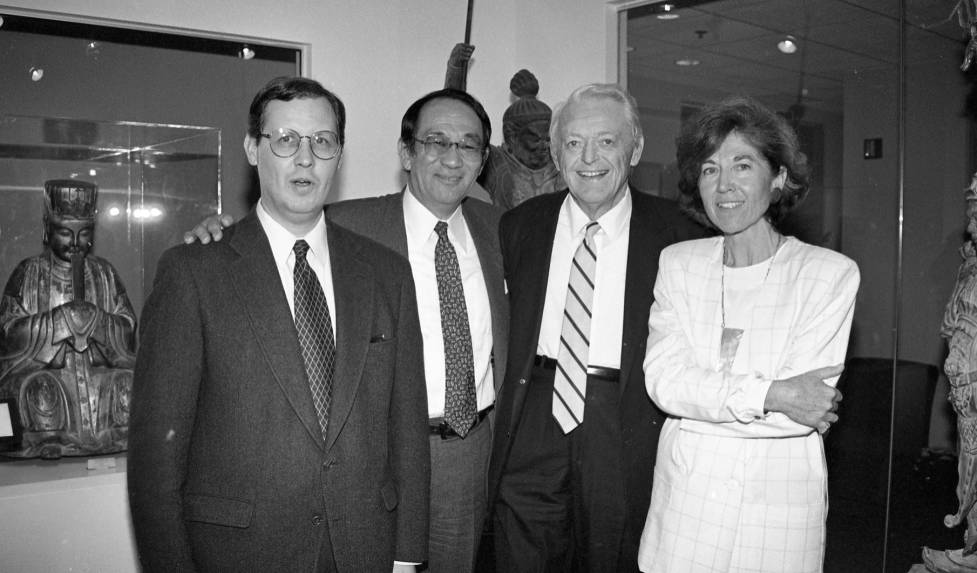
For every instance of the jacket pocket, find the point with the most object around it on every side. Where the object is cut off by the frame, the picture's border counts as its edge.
(218, 510)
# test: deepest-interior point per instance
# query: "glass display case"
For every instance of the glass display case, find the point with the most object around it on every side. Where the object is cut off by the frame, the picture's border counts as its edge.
(154, 182)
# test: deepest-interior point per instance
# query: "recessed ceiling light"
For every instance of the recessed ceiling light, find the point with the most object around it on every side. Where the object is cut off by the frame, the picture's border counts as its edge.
(686, 62)
(788, 45)
(246, 53)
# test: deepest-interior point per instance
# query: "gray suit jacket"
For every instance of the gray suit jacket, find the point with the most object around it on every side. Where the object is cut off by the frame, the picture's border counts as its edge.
(227, 466)
(382, 219)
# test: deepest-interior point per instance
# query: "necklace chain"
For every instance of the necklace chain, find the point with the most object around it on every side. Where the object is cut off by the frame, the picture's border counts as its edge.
(722, 276)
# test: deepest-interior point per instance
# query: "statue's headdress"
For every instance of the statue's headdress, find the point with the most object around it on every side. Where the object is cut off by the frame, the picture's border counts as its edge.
(526, 108)
(70, 199)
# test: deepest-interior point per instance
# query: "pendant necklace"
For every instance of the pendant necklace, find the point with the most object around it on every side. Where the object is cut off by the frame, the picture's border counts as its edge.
(731, 337)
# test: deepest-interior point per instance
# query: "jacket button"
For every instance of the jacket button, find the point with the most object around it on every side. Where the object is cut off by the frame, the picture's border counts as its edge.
(316, 520)
(522, 380)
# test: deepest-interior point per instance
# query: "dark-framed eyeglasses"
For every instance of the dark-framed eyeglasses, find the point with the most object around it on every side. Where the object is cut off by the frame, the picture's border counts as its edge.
(438, 146)
(285, 143)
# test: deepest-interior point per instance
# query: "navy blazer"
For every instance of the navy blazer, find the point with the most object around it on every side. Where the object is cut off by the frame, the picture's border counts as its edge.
(228, 469)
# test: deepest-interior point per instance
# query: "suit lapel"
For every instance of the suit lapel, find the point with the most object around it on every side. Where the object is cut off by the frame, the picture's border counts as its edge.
(258, 286)
(352, 281)
(643, 238)
(486, 241)
(535, 249)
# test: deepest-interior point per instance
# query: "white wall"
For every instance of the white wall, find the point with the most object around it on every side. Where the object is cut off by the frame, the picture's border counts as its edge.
(379, 55)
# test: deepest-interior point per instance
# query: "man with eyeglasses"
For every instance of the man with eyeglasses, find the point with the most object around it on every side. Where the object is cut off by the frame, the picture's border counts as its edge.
(451, 242)
(278, 408)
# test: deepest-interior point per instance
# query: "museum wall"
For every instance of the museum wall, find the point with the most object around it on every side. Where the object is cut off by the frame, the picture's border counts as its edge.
(380, 56)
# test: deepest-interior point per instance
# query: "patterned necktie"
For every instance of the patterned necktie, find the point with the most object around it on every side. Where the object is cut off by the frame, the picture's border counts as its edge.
(315, 333)
(459, 369)
(570, 381)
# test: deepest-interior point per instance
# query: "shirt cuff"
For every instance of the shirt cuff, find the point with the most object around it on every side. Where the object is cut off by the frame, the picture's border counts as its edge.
(754, 395)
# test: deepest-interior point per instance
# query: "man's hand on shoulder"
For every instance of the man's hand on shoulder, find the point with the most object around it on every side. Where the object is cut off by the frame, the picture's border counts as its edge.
(210, 228)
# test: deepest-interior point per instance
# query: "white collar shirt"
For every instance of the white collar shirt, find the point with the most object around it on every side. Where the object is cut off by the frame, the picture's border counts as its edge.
(607, 308)
(419, 223)
(282, 241)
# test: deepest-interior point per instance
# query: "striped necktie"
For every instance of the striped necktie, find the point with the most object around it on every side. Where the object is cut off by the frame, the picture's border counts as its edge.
(570, 381)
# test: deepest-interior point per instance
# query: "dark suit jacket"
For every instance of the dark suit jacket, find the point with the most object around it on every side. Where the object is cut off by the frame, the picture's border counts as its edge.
(227, 466)
(527, 234)
(382, 219)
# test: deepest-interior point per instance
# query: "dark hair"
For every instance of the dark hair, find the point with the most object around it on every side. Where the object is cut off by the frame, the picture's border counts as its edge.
(764, 129)
(286, 88)
(408, 125)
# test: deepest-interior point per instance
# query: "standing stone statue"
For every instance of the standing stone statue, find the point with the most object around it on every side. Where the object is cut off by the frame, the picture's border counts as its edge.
(522, 167)
(960, 330)
(67, 344)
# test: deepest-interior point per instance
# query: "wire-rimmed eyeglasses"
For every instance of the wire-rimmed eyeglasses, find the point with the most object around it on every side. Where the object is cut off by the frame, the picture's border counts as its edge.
(436, 146)
(286, 142)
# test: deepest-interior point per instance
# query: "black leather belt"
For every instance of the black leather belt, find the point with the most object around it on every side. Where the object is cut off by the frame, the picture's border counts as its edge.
(441, 428)
(608, 374)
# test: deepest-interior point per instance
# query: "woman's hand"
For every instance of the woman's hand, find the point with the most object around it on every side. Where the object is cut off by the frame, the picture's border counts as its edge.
(806, 399)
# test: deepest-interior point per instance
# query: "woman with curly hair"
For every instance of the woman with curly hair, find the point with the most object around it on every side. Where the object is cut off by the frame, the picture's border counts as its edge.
(748, 334)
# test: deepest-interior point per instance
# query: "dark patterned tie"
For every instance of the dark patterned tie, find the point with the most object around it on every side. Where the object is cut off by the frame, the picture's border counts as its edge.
(315, 333)
(570, 381)
(459, 369)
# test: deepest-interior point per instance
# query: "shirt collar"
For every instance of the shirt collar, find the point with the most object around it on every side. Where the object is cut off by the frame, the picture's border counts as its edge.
(419, 223)
(613, 223)
(282, 240)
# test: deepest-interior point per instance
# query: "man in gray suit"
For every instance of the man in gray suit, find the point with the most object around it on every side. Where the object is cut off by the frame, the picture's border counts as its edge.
(443, 145)
(278, 409)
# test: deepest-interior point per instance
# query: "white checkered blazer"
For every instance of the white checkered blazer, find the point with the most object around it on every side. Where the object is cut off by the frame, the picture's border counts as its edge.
(736, 489)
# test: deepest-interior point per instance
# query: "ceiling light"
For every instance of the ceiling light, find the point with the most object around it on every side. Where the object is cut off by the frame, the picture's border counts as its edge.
(687, 62)
(666, 12)
(788, 45)
(36, 73)
(246, 53)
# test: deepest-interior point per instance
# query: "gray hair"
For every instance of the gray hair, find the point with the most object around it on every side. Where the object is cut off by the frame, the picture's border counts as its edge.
(611, 92)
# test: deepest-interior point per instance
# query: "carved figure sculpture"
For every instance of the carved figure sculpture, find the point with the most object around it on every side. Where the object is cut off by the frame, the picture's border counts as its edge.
(522, 167)
(67, 336)
(960, 329)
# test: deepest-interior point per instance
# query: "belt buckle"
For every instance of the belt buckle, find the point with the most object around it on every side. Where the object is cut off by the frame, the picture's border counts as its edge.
(444, 430)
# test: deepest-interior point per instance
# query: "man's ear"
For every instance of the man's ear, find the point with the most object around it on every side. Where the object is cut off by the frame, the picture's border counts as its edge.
(639, 146)
(251, 149)
(406, 157)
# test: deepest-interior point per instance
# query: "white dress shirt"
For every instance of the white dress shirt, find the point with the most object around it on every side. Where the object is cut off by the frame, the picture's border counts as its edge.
(282, 242)
(607, 312)
(421, 241)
